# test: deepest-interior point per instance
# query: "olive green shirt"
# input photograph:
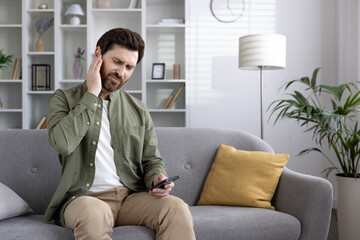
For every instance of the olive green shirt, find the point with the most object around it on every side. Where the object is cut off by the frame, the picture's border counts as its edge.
(74, 123)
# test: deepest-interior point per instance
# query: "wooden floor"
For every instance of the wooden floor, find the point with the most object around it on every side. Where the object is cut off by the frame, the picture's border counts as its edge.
(333, 232)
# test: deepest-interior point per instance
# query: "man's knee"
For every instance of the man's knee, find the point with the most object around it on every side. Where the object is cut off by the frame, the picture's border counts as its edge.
(90, 218)
(177, 207)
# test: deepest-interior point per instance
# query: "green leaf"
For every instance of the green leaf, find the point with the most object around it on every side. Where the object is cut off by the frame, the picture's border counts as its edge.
(314, 77)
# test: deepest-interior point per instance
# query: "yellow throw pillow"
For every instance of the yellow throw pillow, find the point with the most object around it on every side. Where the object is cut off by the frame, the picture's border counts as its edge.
(243, 178)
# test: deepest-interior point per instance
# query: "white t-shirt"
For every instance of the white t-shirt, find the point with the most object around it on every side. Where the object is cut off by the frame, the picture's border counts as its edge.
(105, 169)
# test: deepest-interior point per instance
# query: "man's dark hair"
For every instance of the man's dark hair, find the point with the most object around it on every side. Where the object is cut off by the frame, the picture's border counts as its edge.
(123, 37)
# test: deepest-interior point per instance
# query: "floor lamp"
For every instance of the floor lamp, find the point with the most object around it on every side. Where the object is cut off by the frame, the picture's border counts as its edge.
(262, 52)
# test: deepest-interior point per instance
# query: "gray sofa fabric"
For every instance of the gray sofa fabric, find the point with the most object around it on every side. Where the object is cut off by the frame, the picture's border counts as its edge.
(30, 167)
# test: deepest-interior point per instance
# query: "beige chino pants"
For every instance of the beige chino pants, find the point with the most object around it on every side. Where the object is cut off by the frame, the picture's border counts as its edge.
(93, 216)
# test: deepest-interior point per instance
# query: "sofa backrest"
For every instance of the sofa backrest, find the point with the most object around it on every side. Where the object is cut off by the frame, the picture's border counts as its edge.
(30, 166)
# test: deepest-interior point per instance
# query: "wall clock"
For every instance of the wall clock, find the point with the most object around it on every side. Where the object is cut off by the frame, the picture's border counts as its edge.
(227, 11)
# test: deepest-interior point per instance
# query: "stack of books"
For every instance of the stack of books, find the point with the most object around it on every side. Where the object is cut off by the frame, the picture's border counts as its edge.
(42, 124)
(172, 98)
(16, 70)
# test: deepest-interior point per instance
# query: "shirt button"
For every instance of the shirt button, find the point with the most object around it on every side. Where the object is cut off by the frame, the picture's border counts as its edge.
(97, 123)
(87, 185)
(95, 104)
(94, 143)
(73, 197)
(88, 123)
(91, 164)
(99, 105)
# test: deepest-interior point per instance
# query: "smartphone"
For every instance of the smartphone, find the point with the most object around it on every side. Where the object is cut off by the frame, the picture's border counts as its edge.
(164, 182)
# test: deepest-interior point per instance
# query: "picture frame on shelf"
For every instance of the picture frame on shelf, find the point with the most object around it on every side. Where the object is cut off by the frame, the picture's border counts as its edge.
(40, 77)
(158, 71)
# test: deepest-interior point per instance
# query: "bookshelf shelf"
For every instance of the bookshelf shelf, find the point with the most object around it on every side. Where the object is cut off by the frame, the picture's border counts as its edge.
(10, 81)
(167, 110)
(9, 110)
(40, 53)
(10, 25)
(166, 81)
(40, 92)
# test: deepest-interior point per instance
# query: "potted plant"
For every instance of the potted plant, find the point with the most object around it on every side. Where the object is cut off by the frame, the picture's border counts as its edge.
(5, 60)
(329, 113)
(78, 67)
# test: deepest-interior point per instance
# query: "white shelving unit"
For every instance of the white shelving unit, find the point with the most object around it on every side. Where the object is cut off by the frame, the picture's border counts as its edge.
(23, 107)
(11, 43)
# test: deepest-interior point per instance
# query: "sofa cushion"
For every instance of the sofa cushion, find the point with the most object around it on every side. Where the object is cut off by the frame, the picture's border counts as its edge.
(35, 228)
(229, 222)
(242, 178)
(11, 205)
(210, 222)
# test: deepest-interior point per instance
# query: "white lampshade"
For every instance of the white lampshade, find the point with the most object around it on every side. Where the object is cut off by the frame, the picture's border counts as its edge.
(262, 50)
(74, 9)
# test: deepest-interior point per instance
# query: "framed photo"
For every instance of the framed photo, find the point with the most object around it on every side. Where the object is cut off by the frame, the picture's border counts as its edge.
(40, 77)
(158, 71)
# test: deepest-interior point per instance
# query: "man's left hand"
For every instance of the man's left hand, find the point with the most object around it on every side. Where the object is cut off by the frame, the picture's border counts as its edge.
(161, 192)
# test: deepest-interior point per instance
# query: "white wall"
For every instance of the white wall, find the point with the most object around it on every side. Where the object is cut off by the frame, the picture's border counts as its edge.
(221, 95)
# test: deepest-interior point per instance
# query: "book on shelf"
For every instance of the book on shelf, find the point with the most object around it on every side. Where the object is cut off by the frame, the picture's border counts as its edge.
(167, 21)
(16, 70)
(166, 105)
(172, 98)
(42, 124)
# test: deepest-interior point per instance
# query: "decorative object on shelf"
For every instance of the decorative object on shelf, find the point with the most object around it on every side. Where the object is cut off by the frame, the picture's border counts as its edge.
(1, 103)
(158, 71)
(102, 3)
(262, 52)
(17, 69)
(177, 71)
(78, 66)
(74, 11)
(42, 123)
(169, 21)
(5, 60)
(42, 24)
(330, 114)
(43, 6)
(172, 98)
(227, 11)
(132, 4)
(40, 77)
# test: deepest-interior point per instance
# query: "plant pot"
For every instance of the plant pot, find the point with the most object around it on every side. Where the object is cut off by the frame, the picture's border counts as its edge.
(348, 207)
(77, 68)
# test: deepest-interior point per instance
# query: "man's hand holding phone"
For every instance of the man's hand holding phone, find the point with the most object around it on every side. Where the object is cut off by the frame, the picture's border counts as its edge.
(93, 77)
(167, 186)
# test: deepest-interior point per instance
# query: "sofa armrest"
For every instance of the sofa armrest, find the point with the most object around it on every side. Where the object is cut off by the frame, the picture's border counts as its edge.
(307, 198)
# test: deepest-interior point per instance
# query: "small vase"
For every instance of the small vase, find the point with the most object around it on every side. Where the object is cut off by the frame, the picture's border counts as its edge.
(77, 68)
(39, 45)
(102, 3)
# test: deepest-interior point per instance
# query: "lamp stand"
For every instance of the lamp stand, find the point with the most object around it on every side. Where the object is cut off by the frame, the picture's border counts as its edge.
(261, 103)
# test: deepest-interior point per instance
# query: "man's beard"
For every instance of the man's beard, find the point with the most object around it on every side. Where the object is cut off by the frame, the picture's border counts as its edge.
(108, 83)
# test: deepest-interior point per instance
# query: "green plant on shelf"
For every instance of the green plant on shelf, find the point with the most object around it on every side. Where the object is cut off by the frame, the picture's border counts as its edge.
(5, 60)
(79, 53)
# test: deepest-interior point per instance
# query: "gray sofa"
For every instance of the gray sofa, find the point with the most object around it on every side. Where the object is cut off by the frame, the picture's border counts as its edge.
(30, 167)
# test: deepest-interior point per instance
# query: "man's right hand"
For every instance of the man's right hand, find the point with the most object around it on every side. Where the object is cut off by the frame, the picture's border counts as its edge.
(93, 77)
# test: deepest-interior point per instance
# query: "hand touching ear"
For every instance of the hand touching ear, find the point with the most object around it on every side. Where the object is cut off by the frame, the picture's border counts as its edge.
(93, 77)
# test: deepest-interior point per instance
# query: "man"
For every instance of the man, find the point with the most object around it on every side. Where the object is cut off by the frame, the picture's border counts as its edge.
(108, 150)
